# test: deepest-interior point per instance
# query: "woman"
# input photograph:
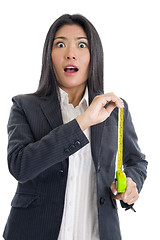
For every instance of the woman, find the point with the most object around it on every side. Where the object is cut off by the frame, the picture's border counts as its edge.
(63, 143)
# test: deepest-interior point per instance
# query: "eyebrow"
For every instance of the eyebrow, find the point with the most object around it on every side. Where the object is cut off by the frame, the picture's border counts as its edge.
(64, 38)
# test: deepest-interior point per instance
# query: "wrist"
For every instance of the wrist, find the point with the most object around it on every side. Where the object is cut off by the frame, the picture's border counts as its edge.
(82, 121)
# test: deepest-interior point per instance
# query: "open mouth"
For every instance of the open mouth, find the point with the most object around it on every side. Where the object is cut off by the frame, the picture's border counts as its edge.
(71, 69)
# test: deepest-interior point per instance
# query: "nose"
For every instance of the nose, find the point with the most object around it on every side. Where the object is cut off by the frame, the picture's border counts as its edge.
(70, 53)
(71, 57)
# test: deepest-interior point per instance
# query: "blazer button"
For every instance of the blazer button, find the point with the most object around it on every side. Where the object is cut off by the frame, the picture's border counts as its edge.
(71, 147)
(77, 143)
(102, 200)
(61, 172)
(98, 168)
(66, 151)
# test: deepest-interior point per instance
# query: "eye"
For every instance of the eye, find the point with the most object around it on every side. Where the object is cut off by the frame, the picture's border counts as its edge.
(60, 44)
(82, 45)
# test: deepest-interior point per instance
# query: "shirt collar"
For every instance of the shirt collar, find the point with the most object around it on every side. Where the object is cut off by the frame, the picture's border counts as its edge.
(64, 97)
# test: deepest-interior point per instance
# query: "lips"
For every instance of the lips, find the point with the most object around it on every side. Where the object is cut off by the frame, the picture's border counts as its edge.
(71, 69)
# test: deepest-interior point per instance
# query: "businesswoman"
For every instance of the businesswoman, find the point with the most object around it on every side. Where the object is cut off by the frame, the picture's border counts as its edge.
(63, 143)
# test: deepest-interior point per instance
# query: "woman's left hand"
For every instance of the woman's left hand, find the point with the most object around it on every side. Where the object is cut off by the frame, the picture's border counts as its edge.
(130, 196)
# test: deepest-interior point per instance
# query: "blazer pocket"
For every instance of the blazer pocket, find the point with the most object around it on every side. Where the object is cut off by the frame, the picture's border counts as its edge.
(24, 200)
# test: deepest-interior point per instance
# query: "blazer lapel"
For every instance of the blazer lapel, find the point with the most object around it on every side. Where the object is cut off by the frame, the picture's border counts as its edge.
(52, 110)
(96, 136)
(96, 133)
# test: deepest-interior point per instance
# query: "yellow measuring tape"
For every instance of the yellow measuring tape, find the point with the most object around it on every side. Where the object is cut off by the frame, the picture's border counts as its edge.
(120, 139)
(121, 182)
(120, 175)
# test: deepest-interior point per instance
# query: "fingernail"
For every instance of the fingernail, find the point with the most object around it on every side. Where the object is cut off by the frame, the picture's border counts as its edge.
(122, 104)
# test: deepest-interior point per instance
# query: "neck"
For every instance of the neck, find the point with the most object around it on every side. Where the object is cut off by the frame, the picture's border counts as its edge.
(74, 94)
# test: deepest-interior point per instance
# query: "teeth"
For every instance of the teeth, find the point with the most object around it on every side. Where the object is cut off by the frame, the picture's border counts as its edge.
(71, 69)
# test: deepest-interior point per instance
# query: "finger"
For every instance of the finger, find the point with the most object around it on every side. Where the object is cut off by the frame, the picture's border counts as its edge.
(112, 97)
(127, 198)
(128, 188)
(113, 188)
(133, 200)
(133, 196)
(128, 194)
(119, 196)
(110, 108)
(131, 191)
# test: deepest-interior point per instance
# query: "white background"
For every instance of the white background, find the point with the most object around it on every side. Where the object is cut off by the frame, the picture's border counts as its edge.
(130, 34)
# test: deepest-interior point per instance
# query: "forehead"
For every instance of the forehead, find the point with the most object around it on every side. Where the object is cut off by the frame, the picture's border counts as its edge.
(71, 31)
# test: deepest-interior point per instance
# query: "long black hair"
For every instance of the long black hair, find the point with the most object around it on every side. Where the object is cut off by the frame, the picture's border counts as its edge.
(48, 83)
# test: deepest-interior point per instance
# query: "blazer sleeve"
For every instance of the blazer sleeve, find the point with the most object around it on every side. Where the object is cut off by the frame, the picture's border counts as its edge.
(135, 165)
(27, 158)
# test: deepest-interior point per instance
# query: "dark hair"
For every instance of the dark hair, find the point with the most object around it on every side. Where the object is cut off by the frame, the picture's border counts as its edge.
(48, 83)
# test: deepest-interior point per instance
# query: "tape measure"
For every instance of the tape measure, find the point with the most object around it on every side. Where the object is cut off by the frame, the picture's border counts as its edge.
(120, 175)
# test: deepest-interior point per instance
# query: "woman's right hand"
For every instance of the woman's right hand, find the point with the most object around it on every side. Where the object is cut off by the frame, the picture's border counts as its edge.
(96, 113)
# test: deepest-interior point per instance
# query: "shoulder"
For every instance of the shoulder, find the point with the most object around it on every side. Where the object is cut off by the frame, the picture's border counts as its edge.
(27, 100)
(113, 119)
(32, 103)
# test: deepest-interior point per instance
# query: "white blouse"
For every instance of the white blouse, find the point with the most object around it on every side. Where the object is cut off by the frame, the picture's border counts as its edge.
(80, 215)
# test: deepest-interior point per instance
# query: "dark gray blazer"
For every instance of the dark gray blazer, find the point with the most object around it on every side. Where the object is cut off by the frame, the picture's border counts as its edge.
(38, 150)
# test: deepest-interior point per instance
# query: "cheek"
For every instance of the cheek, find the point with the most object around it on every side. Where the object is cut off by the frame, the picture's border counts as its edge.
(87, 58)
(55, 61)
(86, 61)
(87, 65)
